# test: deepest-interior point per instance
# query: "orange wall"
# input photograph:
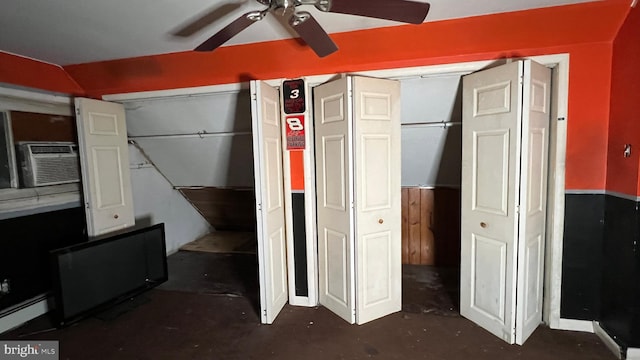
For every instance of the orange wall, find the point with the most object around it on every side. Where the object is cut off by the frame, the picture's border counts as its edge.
(585, 31)
(589, 91)
(17, 70)
(624, 120)
(483, 37)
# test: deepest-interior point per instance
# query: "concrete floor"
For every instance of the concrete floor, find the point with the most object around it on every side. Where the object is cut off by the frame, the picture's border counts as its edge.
(207, 310)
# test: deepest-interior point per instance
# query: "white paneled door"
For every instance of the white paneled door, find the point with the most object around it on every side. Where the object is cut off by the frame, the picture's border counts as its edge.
(334, 188)
(505, 131)
(357, 124)
(104, 159)
(270, 216)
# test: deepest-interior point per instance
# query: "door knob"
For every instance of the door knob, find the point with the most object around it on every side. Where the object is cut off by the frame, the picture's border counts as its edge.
(380, 221)
(483, 225)
(115, 216)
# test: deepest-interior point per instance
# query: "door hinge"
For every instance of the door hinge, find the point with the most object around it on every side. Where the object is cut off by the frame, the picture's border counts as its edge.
(77, 111)
(517, 209)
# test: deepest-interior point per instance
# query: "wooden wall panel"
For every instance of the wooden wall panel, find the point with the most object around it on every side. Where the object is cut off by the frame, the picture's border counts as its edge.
(427, 250)
(405, 226)
(28, 126)
(431, 226)
(230, 209)
(414, 225)
(430, 219)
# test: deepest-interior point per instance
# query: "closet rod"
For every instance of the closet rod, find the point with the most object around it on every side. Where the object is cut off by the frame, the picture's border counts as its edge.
(201, 134)
(432, 124)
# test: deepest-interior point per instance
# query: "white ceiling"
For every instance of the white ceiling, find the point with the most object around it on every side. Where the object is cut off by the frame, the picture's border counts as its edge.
(67, 32)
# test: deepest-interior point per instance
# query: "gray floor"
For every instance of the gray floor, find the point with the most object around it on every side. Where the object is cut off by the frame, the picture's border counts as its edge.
(207, 310)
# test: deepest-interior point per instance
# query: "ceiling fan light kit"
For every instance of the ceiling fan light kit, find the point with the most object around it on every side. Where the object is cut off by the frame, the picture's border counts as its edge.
(307, 26)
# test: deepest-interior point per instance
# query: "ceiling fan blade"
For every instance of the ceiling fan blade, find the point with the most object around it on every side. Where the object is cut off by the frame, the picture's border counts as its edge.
(231, 30)
(197, 24)
(406, 11)
(312, 33)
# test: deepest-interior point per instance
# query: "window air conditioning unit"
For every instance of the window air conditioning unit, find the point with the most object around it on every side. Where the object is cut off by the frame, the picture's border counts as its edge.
(48, 163)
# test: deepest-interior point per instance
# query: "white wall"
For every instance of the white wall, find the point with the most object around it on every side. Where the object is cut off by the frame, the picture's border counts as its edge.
(431, 132)
(156, 201)
(431, 156)
(205, 140)
(212, 113)
(200, 140)
(211, 160)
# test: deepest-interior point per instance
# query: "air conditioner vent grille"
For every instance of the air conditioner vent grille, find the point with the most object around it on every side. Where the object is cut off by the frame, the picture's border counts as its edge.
(56, 170)
(43, 149)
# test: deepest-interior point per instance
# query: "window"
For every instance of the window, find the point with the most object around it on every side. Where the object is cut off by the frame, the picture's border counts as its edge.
(7, 166)
(32, 116)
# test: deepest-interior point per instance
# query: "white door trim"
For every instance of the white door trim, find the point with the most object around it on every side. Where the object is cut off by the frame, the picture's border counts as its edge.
(555, 213)
(309, 198)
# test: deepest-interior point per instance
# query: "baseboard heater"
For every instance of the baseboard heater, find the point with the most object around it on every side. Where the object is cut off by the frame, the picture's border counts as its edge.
(93, 276)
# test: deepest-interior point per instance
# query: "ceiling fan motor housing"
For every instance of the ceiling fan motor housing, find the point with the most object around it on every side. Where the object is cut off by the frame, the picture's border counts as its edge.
(323, 5)
(283, 7)
(309, 30)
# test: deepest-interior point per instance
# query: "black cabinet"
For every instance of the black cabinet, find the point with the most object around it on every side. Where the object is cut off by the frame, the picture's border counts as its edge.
(620, 296)
(24, 250)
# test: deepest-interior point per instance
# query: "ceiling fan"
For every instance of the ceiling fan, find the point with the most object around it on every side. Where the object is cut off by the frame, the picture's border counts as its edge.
(309, 29)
